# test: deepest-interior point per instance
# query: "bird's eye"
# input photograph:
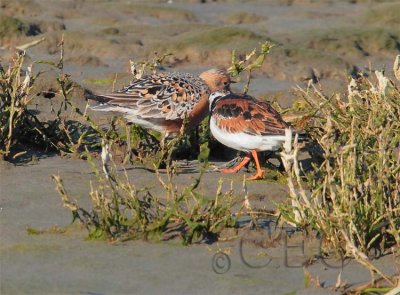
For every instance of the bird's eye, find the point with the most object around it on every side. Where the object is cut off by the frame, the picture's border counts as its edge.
(226, 83)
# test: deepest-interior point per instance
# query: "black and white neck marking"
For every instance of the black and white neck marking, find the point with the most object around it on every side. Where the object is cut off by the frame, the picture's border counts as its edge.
(215, 96)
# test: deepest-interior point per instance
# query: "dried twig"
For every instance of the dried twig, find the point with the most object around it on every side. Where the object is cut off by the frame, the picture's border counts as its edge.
(30, 44)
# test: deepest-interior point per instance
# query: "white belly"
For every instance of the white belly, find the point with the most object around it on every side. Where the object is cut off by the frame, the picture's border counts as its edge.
(132, 116)
(246, 142)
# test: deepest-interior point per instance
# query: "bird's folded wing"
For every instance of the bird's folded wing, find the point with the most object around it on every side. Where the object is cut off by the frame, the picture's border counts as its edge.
(156, 96)
(249, 116)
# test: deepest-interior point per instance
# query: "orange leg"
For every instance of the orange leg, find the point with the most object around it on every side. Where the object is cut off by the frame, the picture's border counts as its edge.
(260, 173)
(239, 166)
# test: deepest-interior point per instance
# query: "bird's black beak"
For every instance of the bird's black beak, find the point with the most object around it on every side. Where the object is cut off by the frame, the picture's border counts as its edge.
(227, 87)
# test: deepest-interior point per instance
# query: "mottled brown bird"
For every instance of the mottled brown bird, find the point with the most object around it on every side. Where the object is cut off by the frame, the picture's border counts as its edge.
(163, 101)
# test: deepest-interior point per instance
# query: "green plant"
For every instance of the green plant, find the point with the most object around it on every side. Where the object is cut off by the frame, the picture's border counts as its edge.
(21, 127)
(253, 60)
(15, 98)
(355, 192)
(120, 211)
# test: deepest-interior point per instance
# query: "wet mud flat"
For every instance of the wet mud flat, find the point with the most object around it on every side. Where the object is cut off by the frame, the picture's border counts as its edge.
(67, 263)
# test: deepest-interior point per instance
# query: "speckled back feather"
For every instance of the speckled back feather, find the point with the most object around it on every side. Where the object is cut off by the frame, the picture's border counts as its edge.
(168, 96)
(243, 113)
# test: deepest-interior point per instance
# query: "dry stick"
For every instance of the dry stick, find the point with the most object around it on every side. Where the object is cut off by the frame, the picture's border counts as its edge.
(114, 81)
(14, 95)
(396, 67)
(288, 156)
(10, 130)
(363, 259)
(30, 44)
(67, 203)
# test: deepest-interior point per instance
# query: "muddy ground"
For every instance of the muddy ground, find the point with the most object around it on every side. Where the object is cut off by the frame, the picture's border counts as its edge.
(69, 264)
(326, 41)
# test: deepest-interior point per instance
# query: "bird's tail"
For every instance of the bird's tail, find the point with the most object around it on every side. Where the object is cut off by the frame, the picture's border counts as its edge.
(90, 95)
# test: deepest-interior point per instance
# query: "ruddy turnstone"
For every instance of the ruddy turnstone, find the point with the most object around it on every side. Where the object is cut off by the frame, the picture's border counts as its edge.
(243, 123)
(163, 101)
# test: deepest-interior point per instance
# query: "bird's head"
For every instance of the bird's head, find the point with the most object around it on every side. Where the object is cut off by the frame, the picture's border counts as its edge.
(216, 79)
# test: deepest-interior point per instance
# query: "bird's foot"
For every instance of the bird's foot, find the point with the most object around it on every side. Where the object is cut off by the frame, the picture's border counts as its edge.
(229, 170)
(259, 175)
(239, 166)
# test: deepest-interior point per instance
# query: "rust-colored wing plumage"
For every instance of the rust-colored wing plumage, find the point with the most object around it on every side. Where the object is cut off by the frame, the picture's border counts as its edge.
(235, 114)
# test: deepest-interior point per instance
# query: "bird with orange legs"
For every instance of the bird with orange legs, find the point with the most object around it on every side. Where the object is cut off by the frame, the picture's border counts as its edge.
(243, 123)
